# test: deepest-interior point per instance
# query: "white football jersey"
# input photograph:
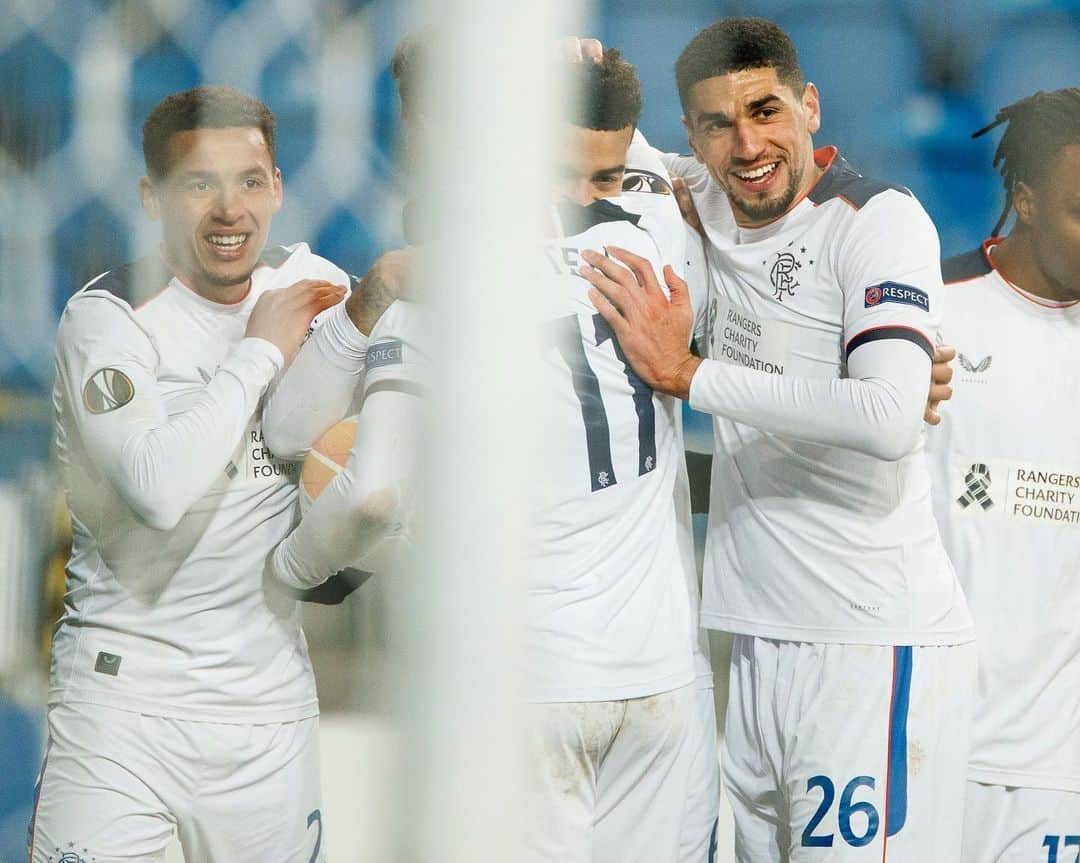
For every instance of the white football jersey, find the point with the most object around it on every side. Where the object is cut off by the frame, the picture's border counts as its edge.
(169, 612)
(608, 606)
(1006, 468)
(396, 358)
(808, 541)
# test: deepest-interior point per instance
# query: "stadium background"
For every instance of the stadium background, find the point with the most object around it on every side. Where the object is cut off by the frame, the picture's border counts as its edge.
(903, 85)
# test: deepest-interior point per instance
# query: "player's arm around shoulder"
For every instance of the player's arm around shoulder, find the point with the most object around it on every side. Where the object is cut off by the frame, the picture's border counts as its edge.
(319, 387)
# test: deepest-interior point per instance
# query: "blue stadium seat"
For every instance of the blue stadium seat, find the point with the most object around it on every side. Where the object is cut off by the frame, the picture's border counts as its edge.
(38, 100)
(1029, 52)
(347, 241)
(286, 84)
(867, 64)
(161, 69)
(90, 241)
(20, 753)
(651, 38)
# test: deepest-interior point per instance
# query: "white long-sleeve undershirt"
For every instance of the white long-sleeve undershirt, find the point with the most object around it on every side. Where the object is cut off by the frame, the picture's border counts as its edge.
(160, 465)
(359, 518)
(877, 410)
(318, 389)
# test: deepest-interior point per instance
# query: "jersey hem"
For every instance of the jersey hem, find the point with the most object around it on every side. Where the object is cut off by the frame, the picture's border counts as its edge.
(615, 693)
(252, 715)
(817, 635)
(1013, 779)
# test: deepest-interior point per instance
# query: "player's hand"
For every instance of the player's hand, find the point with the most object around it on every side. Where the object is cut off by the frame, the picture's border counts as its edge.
(578, 50)
(686, 205)
(283, 316)
(386, 281)
(940, 376)
(653, 331)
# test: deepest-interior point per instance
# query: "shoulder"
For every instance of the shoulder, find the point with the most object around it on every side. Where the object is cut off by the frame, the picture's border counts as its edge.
(842, 182)
(127, 284)
(300, 262)
(965, 267)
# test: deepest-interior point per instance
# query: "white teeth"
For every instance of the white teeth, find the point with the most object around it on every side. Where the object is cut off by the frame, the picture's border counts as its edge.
(757, 173)
(227, 240)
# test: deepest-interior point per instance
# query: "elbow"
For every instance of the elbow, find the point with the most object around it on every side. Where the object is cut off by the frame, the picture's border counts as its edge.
(895, 441)
(282, 444)
(377, 515)
(156, 514)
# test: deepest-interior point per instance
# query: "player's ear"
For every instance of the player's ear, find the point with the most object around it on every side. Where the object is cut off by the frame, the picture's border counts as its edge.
(1023, 199)
(148, 195)
(690, 138)
(811, 102)
(279, 190)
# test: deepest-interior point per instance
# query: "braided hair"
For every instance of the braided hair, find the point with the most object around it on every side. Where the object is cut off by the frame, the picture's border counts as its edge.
(1036, 129)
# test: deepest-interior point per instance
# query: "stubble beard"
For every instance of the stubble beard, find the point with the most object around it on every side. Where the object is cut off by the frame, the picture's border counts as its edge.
(767, 211)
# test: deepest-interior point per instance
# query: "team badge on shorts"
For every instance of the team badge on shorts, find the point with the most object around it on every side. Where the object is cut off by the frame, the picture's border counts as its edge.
(69, 855)
(107, 390)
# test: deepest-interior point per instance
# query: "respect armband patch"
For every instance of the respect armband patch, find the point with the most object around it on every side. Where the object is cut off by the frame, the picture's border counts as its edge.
(388, 353)
(107, 390)
(894, 292)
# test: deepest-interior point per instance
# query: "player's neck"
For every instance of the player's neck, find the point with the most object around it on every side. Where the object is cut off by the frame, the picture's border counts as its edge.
(225, 295)
(1014, 257)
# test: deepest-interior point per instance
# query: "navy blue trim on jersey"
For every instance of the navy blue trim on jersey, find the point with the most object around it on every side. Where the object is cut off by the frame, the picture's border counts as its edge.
(896, 782)
(876, 334)
(969, 265)
(577, 219)
(121, 281)
(843, 181)
(274, 256)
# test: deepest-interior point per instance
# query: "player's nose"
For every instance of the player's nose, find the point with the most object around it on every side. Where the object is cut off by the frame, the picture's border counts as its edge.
(227, 205)
(749, 141)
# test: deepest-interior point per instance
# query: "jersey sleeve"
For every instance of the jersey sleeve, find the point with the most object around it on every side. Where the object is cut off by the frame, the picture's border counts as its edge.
(890, 274)
(318, 389)
(395, 359)
(697, 283)
(360, 518)
(160, 465)
(891, 282)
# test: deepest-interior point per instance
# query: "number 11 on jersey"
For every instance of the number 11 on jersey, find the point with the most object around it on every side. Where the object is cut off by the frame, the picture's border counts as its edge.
(587, 387)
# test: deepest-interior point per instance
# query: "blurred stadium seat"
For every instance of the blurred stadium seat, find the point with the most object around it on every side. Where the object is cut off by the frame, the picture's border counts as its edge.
(1026, 52)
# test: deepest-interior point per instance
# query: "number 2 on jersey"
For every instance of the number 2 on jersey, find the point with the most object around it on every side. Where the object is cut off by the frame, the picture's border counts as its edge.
(571, 345)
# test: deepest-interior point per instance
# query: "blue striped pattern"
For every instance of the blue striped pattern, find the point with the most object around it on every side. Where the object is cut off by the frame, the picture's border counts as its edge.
(896, 799)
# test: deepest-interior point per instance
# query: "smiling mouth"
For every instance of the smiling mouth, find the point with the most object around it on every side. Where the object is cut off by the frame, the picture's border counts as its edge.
(227, 242)
(758, 176)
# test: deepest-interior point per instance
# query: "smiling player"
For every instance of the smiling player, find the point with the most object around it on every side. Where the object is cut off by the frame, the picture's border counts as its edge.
(182, 697)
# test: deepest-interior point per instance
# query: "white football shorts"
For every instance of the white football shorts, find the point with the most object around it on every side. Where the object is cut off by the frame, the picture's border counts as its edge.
(608, 779)
(1017, 825)
(115, 785)
(846, 752)
(697, 843)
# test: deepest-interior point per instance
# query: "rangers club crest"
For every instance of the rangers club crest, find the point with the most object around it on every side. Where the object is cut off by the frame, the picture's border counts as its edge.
(784, 271)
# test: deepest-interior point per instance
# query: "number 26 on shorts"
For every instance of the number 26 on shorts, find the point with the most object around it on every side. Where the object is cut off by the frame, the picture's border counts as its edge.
(858, 820)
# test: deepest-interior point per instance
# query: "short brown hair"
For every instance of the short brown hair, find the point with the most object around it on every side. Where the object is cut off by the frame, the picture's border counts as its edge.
(733, 45)
(204, 107)
(608, 93)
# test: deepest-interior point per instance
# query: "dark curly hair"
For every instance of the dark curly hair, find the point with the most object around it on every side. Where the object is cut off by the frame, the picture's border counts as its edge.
(1036, 130)
(608, 93)
(735, 44)
(204, 107)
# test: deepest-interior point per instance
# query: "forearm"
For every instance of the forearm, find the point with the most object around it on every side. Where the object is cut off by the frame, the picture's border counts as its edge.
(318, 389)
(359, 518)
(161, 465)
(877, 411)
